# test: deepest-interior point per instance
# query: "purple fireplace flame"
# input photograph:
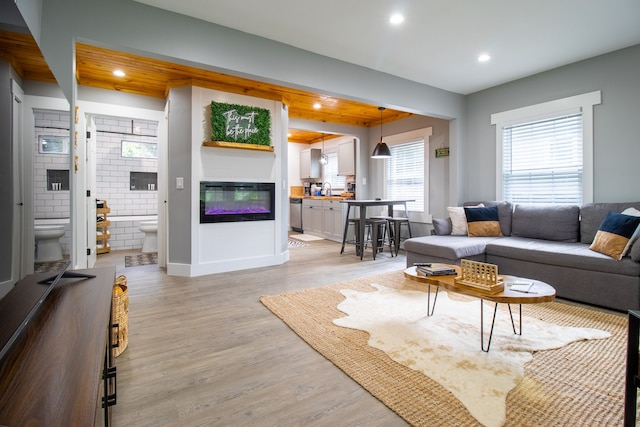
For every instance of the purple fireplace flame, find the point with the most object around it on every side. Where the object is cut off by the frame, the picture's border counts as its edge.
(236, 201)
(236, 211)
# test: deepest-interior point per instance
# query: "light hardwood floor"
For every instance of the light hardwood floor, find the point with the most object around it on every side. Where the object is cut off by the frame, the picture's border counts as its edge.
(204, 351)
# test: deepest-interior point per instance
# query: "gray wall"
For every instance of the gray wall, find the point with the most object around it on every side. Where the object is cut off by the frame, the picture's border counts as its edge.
(616, 132)
(179, 201)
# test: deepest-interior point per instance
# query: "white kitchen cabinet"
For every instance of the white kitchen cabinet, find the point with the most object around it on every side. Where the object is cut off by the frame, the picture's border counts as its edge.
(332, 216)
(312, 221)
(347, 157)
(324, 218)
(310, 163)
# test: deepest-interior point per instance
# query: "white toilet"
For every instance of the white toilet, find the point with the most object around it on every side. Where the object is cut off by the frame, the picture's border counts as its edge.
(47, 242)
(150, 230)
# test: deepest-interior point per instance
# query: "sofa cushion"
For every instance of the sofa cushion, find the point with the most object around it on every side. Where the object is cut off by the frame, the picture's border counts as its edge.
(458, 220)
(564, 254)
(560, 223)
(448, 247)
(483, 222)
(636, 234)
(634, 253)
(592, 214)
(614, 234)
(441, 226)
(504, 213)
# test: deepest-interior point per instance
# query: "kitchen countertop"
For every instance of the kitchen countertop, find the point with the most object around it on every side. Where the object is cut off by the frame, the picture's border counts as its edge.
(324, 197)
(318, 197)
(338, 198)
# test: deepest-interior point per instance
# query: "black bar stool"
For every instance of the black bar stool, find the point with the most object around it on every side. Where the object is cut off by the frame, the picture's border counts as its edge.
(376, 235)
(388, 235)
(395, 224)
(356, 226)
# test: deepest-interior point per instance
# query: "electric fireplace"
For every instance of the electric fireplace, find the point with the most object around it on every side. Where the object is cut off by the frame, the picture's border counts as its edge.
(236, 201)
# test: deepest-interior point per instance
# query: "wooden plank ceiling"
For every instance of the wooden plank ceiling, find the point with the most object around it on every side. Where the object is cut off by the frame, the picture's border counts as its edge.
(152, 77)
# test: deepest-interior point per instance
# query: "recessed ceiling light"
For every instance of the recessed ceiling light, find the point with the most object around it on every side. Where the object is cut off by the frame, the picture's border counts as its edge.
(484, 57)
(396, 19)
(317, 105)
(119, 73)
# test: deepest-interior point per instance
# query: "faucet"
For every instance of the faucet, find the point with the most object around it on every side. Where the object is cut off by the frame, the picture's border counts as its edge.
(327, 193)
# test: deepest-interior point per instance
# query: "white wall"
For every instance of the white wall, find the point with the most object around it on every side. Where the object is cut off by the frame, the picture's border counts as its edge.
(225, 246)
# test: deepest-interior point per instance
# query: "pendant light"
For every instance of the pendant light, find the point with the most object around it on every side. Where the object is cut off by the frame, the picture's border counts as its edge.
(382, 150)
(324, 159)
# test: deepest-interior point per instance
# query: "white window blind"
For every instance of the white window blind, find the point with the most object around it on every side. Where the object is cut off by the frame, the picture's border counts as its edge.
(330, 173)
(543, 161)
(405, 174)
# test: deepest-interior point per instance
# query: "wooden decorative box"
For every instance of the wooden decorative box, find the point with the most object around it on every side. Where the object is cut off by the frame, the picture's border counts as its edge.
(480, 276)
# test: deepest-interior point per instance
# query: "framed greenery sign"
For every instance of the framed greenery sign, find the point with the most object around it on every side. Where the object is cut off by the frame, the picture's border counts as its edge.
(240, 124)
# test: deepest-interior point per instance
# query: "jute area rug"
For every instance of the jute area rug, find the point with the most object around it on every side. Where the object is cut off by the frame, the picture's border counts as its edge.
(581, 383)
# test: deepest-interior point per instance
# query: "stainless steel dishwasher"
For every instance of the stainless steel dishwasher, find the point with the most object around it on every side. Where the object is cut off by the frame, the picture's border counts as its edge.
(295, 214)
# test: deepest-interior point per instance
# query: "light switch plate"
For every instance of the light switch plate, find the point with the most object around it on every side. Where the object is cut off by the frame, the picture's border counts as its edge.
(180, 183)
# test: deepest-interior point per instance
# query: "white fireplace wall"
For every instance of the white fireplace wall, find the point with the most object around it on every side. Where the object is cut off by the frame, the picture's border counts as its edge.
(223, 247)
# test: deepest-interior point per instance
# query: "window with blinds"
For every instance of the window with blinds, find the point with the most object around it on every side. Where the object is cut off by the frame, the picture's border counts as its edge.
(405, 174)
(330, 173)
(543, 161)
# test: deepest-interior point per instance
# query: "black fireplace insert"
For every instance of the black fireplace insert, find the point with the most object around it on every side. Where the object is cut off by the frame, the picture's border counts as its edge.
(236, 201)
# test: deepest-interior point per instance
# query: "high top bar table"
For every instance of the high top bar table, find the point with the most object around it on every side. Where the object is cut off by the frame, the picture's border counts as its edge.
(363, 204)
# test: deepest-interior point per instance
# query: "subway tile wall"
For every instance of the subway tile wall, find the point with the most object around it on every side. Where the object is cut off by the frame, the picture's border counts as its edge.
(49, 203)
(112, 179)
(113, 170)
(112, 175)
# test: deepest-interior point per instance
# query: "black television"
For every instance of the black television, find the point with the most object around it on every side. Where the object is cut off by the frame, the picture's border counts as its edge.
(50, 283)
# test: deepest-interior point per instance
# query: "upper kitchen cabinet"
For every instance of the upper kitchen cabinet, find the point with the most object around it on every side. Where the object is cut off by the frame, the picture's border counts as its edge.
(347, 157)
(310, 163)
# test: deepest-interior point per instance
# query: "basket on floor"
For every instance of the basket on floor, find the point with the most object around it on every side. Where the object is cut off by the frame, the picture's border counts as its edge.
(120, 315)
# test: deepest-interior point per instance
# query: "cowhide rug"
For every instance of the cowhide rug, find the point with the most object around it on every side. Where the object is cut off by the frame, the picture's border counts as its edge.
(446, 346)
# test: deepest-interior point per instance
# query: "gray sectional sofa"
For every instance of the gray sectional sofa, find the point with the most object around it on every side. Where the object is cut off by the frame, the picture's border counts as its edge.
(548, 243)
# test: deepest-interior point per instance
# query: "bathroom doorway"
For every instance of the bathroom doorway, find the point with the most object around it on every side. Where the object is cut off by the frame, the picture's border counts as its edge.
(126, 158)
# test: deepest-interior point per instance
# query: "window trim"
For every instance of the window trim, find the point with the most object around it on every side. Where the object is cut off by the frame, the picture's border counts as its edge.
(579, 103)
(423, 134)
